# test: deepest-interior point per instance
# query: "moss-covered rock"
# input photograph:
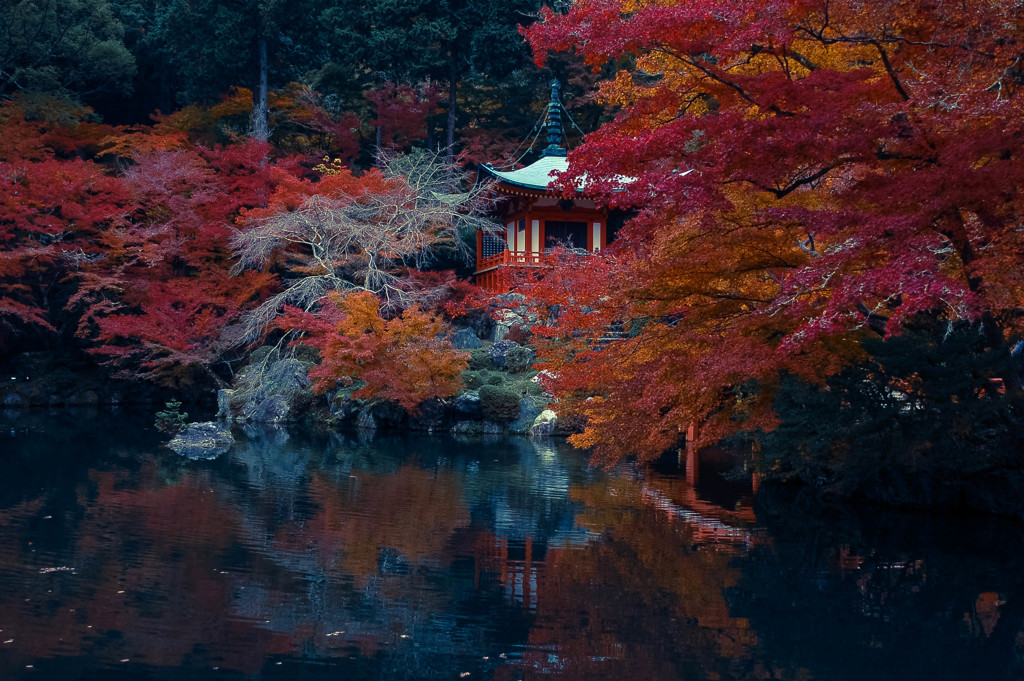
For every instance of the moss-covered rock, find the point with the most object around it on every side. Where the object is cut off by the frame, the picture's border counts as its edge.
(466, 339)
(544, 425)
(202, 440)
(518, 359)
(467, 406)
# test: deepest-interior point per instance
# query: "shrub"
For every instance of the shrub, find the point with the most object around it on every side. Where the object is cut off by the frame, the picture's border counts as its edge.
(473, 380)
(518, 359)
(523, 385)
(499, 403)
(307, 354)
(172, 420)
(480, 360)
(405, 359)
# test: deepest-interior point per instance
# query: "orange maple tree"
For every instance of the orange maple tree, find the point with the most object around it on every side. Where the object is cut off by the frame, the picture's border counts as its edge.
(406, 359)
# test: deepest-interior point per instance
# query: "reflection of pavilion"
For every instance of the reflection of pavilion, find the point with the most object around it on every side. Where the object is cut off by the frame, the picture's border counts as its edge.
(523, 550)
(518, 564)
(711, 524)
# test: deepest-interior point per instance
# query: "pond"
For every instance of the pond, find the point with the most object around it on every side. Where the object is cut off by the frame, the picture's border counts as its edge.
(329, 556)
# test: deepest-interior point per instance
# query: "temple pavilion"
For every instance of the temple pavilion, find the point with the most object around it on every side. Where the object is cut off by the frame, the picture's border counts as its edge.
(536, 217)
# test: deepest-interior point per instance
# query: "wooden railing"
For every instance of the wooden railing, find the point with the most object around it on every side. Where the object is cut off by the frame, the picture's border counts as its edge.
(513, 259)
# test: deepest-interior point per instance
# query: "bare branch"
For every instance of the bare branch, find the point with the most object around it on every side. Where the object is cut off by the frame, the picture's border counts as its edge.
(365, 242)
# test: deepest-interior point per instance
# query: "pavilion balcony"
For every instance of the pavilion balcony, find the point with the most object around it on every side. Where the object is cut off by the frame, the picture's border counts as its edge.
(493, 272)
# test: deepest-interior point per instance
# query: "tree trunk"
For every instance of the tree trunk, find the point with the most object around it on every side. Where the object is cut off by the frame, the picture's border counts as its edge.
(165, 98)
(991, 329)
(453, 81)
(260, 104)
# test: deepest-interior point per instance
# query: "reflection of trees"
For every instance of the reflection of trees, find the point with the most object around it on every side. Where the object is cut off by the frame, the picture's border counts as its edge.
(406, 557)
(415, 554)
(145, 562)
(358, 549)
(884, 595)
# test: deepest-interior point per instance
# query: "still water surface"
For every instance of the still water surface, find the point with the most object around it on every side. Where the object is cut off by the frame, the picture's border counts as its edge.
(308, 556)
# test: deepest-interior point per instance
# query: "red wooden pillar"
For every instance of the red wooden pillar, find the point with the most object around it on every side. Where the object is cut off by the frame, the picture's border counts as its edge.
(528, 240)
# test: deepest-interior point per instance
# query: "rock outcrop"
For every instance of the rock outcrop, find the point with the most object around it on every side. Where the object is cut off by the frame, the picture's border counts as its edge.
(466, 339)
(545, 423)
(205, 440)
(529, 409)
(498, 349)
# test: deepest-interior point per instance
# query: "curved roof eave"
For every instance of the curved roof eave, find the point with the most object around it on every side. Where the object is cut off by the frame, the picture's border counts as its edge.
(533, 176)
(537, 176)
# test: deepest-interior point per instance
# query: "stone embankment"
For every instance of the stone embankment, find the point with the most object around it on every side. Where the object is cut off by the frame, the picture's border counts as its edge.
(502, 391)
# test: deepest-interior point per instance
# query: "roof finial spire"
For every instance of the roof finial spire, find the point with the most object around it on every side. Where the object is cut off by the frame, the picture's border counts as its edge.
(555, 133)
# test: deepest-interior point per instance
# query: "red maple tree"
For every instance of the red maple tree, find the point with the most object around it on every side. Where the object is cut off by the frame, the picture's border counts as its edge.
(803, 172)
(55, 207)
(161, 302)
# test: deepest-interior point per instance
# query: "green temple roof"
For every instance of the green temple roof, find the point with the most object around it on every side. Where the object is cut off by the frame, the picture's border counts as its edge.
(537, 176)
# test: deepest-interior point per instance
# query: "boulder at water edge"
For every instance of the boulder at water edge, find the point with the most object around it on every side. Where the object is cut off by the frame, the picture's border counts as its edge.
(545, 423)
(529, 410)
(272, 410)
(206, 440)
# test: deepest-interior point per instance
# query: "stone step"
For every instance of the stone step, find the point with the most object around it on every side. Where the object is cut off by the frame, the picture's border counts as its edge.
(613, 332)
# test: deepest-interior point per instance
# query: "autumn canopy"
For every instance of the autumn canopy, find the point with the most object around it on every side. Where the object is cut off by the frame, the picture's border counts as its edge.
(857, 167)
